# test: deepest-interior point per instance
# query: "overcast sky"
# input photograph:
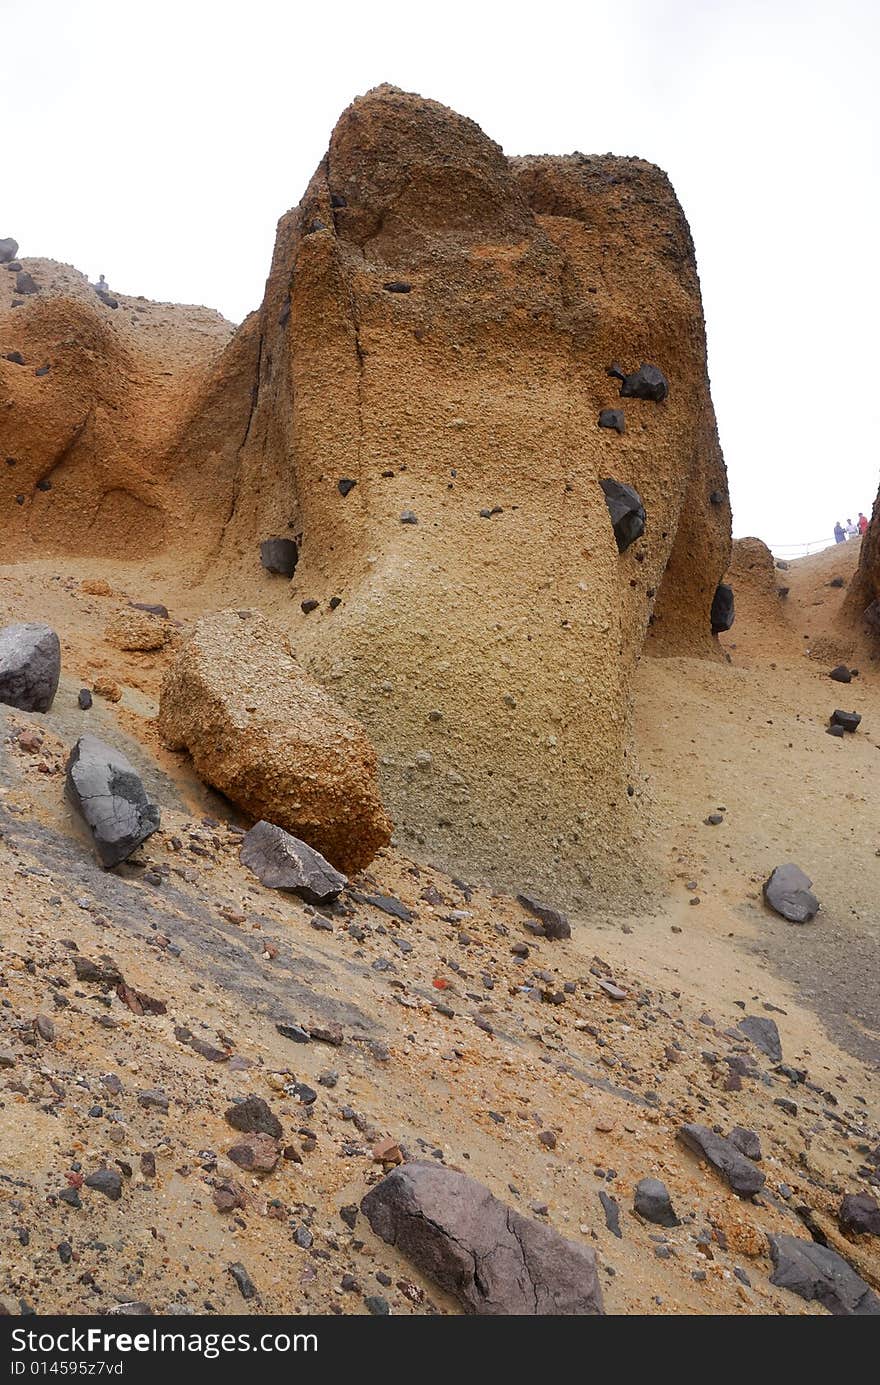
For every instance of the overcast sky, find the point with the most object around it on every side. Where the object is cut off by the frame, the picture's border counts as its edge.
(158, 143)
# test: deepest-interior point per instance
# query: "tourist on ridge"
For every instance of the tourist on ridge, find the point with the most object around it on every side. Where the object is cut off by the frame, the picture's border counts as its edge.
(852, 530)
(863, 524)
(839, 535)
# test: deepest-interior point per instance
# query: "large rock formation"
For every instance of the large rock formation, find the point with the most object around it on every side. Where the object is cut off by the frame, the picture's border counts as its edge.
(438, 326)
(271, 740)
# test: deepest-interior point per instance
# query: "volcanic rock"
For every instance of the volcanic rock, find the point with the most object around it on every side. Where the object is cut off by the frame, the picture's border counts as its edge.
(8, 249)
(627, 512)
(841, 674)
(613, 418)
(722, 614)
(859, 1214)
(848, 721)
(280, 556)
(764, 1035)
(272, 740)
(283, 862)
(30, 666)
(106, 1181)
(110, 796)
(25, 283)
(254, 1116)
(495, 1261)
(652, 1201)
(648, 382)
(556, 924)
(737, 1170)
(816, 1272)
(787, 891)
(746, 1141)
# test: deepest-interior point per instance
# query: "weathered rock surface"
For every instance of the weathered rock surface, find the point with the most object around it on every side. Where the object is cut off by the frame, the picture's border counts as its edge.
(860, 1214)
(556, 924)
(722, 614)
(764, 1034)
(30, 666)
(847, 721)
(737, 1170)
(817, 1272)
(788, 892)
(746, 1141)
(279, 556)
(283, 862)
(8, 249)
(139, 630)
(109, 794)
(613, 418)
(627, 512)
(652, 1201)
(273, 741)
(495, 1261)
(648, 382)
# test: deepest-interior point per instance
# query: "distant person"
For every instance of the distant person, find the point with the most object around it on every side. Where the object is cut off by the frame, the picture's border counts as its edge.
(863, 524)
(839, 535)
(102, 286)
(852, 530)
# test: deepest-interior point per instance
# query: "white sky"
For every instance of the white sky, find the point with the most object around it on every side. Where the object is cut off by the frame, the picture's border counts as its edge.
(159, 142)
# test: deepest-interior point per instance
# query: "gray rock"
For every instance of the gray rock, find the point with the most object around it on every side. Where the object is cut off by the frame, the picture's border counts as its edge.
(860, 1214)
(817, 1273)
(8, 249)
(648, 382)
(243, 1280)
(495, 1261)
(30, 666)
(722, 613)
(110, 796)
(746, 1141)
(612, 1214)
(652, 1201)
(283, 862)
(735, 1168)
(841, 674)
(847, 720)
(763, 1034)
(24, 283)
(254, 1116)
(626, 510)
(279, 555)
(613, 418)
(787, 891)
(556, 924)
(106, 1181)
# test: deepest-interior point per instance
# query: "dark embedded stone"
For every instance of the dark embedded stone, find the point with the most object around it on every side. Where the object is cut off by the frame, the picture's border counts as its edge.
(15, 357)
(763, 1034)
(648, 382)
(841, 674)
(44, 485)
(110, 796)
(746, 1141)
(837, 582)
(106, 1181)
(627, 512)
(377, 1305)
(735, 1168)
(243, 1280)
(860, 1214)
(346, 485)
(30, 666)
(816, 1272)
(613, 418)
(848, 720)
(721, 616)
(104, 973)
(787, 891)
(387, 903)
(397, 286)
(42, 370)
(495, 1261)
(84, 698)
(308, 606)
(835, 731)
(713, 820)
(283, 862)
(337, 201)
(612, 1214)
(652, 1201)
(556, 924)
(315, 226)
(295, 1032)
(279, 555)
(254, 1116)
(8, 249)
(334, 602)
(716, 498)
(24, 283)
(408, 517)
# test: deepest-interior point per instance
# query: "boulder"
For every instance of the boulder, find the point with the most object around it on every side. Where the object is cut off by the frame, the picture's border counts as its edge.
(613, 418)
(764, 1034)
(8, 249)
(627, 512)
(859, 1214)
(652, 1201)
(721, 616)
(847, 721)
(493, 1260)
(283, 862)
(273, 741)
(841, 674)
(25, 283)
(110, 796)
(280, 556)
(816, 1272)
(648, 382)
(254, 1116)
(30, 666)
(556, 924)
(735, 1168)
(746, 1141)
(788, 892)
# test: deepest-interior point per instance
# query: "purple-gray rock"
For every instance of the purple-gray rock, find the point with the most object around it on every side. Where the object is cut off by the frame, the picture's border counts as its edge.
(722, 613)
(243, 1280)
(648, 382)
(860, 1214)
(817, 1273)
(106, 1181)
(746, 1141)
(848, 720)
(279, 555)
(626, 510)
(495, 1261)
(25, 283)
(254, 1116)
(787, 891)
(841, 674)
(613, 418)
(30, 666)
(110, 796)
(283, 862)
(556, 924)
(652, 1201)
(744, 1177)
(763, 1034)
(8, 249)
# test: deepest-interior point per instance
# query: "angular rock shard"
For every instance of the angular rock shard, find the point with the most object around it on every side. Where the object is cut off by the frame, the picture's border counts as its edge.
(847, 721)
(652, 1201)
(859, 1214)
(627, 512)
(495, 1261)
(280, 556)
(30, 666)
(742, 1175)
(818, 1273)
(613, 418)
(8, 249)
(764, 1034)
(272, 740)
(556, 924)
(788, 892)
(109, 794)
(648, 382)
(721, 616)
(283, 862)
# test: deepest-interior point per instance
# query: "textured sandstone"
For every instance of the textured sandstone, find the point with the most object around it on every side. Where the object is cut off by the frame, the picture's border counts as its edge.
(136, 630)
(274, 742)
